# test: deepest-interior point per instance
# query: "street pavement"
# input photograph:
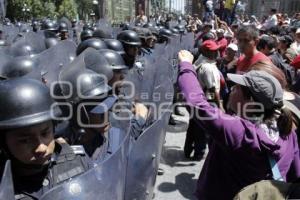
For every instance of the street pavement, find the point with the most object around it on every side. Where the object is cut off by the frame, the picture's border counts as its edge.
(181, 175)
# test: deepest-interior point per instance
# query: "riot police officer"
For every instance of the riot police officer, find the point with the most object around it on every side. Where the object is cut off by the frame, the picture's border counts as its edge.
(148, 41)
(115, 71)
(50, 27)
(63, 31)
(27, 126)
(86, 34)
(164, 35)
(87, 85)
(35, 26)
(18, 67)
(132, 44)
(94, 43)
(115, 45)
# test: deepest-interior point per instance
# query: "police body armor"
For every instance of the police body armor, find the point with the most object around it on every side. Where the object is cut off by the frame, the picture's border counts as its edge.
(70, 162)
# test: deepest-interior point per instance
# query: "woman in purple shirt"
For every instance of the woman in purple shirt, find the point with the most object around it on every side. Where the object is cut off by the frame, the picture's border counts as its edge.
(242, 146)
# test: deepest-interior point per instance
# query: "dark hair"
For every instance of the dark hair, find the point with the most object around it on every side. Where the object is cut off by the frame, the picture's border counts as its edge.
(274, 10)
(208, 36)
(266, 41)
(274, 30)
(285, 120)
(210, 54)
(250, 30)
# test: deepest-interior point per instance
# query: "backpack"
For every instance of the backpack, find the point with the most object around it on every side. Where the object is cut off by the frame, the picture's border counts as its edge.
(269, 190)
(275, 189)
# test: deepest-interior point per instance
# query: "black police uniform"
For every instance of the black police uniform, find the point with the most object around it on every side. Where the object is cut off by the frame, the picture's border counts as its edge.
(67, 162)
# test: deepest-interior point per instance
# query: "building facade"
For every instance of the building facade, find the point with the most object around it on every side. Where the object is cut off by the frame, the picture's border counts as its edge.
(261, 8)
(193, 7)
(119, 10)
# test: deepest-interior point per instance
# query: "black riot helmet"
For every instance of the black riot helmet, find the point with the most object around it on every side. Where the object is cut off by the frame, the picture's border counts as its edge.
(18, 67)
(93, 43)
(125, 26)
(86, 84)
(18, 24)
(25, 102)
(175, 31)
(98, 33)
(129, 38)
(3, 43)
(74, 21)
(154, 30)
(50, 42)
(114, 59)
(86, 34)
(144, 33)
(148, 25)
(63, 27)
(97, 62)
(115, 45)
(164, 35)
(180, 28)
(138, 24)
(87, 26)
(23, 50)
(35, 25)
(50, 26)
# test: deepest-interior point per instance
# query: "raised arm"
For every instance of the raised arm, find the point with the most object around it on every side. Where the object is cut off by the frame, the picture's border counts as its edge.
(225, 129)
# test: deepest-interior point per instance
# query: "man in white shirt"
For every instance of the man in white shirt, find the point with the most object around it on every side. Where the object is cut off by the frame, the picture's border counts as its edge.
(142, 18)
(272, 21)
(296, 45)
(207, 71)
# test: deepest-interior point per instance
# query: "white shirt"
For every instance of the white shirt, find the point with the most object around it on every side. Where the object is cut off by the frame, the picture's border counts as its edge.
(296, 47)
(271, 22)
(208, 73)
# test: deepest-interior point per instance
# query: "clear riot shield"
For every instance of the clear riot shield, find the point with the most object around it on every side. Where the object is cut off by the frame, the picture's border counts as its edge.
(34, 40)
(4, 57)
(6, 185)
(53, 60)
(105, 26)
(143, 162)
(69, 24)
(116, 31)
(188, 41)
(148, 79)
(10, 32)
(159, 50)
(132, 85)
(106, 180)
(145, 152)
(173, 57)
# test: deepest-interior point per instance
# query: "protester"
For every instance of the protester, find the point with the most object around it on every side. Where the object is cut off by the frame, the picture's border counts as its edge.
(234, 139)
(221, 41)
(248, 38)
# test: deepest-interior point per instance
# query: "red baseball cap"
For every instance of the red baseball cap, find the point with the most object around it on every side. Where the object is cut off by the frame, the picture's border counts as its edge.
(210, 45)
(296, 62)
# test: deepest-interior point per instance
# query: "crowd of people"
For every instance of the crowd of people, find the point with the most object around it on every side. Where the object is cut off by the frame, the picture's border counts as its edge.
(240, 80)
(235, 70)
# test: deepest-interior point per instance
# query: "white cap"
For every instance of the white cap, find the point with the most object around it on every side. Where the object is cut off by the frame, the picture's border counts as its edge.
(220, 31)
(227, 34)
(233, 47)
(298, 30)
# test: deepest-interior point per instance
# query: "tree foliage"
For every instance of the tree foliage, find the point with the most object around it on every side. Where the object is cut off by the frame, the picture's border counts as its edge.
(85, 7)
(68, 8)
(41, 8)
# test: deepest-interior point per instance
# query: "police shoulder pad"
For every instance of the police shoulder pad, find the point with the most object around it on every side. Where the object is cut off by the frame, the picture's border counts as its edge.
(78, 149)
